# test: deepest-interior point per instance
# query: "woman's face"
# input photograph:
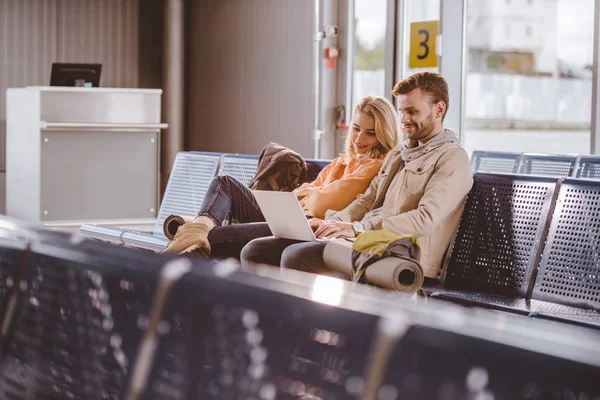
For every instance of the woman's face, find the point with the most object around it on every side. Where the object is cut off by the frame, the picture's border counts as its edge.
(362, 133)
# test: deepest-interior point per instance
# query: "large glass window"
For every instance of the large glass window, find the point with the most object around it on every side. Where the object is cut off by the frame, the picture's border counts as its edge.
(370, 18)
(419, 11)
(529, 80)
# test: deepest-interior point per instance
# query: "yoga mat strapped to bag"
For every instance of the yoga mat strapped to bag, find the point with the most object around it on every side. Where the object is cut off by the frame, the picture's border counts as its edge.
(173, 222)
(402, 274)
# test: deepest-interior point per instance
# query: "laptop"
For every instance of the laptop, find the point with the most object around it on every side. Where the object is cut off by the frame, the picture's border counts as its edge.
(285, 216)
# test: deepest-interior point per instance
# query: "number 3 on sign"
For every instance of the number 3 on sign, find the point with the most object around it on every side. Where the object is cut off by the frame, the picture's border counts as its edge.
(422, 44)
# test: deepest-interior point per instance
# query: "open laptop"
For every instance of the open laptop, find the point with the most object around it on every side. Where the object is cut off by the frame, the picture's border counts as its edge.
(285, 216)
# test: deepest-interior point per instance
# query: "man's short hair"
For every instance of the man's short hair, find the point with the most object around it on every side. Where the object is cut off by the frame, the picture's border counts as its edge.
(431, 83)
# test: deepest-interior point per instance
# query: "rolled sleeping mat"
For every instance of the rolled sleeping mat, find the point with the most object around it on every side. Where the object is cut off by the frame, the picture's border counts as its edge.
(401, 275)
(173, 222)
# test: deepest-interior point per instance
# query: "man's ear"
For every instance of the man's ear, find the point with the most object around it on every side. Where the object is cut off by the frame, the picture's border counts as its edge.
(440, 109)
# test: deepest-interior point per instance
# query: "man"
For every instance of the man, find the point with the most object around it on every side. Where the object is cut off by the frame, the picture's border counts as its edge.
(420, 189)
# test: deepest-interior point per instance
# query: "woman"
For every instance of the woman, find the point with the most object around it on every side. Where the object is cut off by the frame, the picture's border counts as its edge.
(373, 133)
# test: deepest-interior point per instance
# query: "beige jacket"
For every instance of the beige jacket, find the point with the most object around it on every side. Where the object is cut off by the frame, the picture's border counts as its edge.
(424, 198)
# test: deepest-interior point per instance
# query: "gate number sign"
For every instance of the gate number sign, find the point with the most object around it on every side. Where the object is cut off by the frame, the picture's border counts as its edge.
(422, 44)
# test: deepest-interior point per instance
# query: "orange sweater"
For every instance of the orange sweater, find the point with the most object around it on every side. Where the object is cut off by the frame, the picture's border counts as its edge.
(337, 185)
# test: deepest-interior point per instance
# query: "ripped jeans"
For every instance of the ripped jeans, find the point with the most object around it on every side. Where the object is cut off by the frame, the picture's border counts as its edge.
(226, 198)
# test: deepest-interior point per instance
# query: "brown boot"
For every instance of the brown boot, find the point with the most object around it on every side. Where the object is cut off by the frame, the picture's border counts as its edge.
(190, 238)
(173, 222)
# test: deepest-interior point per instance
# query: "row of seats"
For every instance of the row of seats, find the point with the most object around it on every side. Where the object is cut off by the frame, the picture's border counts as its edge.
(576, 166)
(191, 174)
(496, 250)
(530, 245)
(84, 319)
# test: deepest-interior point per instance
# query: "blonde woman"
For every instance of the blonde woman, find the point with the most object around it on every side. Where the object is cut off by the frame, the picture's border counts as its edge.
(373, 132)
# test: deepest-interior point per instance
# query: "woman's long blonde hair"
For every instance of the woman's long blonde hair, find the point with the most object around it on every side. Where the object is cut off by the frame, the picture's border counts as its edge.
(387, 126)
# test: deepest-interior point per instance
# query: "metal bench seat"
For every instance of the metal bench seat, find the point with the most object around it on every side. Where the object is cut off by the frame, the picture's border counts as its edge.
(495, 161)
(76, 327)
(497, 244)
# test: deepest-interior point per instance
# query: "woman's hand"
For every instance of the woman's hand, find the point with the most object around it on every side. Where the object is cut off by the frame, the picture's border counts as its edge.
(315, 223)
(335, 230)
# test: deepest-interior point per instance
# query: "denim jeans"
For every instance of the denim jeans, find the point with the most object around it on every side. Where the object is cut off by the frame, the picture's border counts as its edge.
(286, 254)
(226, 198)
(228, 241)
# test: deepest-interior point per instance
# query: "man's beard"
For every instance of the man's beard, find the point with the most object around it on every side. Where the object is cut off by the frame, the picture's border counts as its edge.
(423, 129)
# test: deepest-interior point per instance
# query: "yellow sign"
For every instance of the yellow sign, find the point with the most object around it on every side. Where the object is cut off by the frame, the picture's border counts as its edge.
(422, 44)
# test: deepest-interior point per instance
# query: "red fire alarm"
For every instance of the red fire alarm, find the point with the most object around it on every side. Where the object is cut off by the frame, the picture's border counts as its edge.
(331, 54)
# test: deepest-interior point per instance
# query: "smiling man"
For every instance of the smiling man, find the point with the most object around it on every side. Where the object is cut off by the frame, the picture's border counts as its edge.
(421, 187)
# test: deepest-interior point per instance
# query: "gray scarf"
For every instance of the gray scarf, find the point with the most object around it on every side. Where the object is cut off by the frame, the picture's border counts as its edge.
(408, 154)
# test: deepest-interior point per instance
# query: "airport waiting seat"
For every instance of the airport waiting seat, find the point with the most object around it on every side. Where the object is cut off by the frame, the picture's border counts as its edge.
(240, 166)
(567, 286)
(189, 180)
(528, 253)
(97, 321)
(13, 255)
(560, 166)
(233, 340)
(433, 363)
(78, 320)
(494, 254)
(588, 167)
(495, 161)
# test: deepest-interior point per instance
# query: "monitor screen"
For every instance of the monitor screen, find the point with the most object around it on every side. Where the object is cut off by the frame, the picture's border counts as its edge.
(80, 75)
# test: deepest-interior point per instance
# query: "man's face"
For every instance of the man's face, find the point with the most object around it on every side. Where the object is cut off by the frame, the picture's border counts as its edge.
(418, 115)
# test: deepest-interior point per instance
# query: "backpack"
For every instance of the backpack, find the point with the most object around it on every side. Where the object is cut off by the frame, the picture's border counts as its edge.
(279, 169)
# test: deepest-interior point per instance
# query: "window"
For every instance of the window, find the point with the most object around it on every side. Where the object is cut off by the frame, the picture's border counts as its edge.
(418, 11)
(528, 95)
(370, 18)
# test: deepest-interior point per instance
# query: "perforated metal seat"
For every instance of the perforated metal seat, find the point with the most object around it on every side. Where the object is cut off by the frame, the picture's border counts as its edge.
(78, 321)
(12, 256)
(495, 161)
(240, 166)
(514, 304)
(190, 177)
(233, 341)
(429, 363)
(548, 165)
(568, 280)
(495, 250)
(588, 167)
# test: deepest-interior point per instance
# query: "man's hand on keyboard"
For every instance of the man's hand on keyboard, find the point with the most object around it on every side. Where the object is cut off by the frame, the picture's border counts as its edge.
(335, 230)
